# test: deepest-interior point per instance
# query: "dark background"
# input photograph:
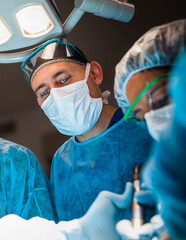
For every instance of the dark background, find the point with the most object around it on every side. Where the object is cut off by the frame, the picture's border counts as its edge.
(103, 40)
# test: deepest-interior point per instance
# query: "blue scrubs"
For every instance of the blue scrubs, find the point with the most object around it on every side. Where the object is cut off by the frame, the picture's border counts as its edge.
(23, 183)
(166, 171)
(106, 162)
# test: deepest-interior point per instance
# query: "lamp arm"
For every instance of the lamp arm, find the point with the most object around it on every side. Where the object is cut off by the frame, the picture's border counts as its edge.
(71, 21)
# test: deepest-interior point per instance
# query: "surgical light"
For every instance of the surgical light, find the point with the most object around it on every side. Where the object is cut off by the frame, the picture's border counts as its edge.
(5, 33)
(26, 24)
(34, 21)
(114, 9)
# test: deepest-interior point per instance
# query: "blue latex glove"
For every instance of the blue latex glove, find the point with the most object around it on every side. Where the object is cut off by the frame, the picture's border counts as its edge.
(147, 197)
(146, 231)
(153, 230)
(127, 232)
(105, 212)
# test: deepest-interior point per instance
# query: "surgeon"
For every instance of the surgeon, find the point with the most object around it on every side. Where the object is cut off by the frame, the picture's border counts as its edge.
(24, 187)
(103, 149)
(141, 89)
(142, 76)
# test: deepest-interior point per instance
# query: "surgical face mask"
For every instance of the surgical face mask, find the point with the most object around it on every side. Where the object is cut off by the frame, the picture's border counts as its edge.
(158, 121)
(71, 109)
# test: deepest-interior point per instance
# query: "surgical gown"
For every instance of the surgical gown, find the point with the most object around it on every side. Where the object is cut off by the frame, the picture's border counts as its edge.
(166, 171)
(106, 162)
(24, 188)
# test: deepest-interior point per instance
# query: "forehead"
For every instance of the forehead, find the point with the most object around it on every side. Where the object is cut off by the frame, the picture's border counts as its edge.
(49, 71)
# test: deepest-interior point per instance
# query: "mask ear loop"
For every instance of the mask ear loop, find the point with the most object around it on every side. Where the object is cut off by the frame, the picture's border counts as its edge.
(87, 71)
(140, 95)
(106, 95)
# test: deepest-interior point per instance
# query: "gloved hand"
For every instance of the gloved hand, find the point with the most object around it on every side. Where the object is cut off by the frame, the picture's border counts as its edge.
(155, 229)
(100, 220)
(146, 231)
(146, 197)
(97, 224)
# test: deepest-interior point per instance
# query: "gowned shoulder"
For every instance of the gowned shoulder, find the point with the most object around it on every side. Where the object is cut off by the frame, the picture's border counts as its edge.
(14, 153)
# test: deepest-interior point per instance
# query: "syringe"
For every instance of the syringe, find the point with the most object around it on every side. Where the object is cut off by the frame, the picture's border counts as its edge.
(137, 209)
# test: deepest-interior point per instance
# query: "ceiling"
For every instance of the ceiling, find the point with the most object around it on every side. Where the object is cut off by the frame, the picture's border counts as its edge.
(103, 40)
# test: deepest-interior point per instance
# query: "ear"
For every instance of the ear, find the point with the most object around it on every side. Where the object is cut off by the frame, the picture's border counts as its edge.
(96, 72)
(39, 102)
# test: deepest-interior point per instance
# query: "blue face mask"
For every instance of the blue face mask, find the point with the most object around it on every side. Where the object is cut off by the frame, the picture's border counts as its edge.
(71, 109)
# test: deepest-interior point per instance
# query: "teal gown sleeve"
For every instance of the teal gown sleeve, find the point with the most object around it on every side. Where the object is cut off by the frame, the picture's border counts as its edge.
(24, 187)
(166, 171)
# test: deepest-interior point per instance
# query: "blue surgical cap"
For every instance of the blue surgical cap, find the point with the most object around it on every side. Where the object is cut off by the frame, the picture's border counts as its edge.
(160, 46)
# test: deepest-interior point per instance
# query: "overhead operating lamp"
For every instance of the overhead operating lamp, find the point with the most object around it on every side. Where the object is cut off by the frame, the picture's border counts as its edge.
(27, 23)
(24, 24)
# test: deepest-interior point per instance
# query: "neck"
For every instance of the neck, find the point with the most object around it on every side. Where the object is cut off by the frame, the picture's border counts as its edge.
(101, 125)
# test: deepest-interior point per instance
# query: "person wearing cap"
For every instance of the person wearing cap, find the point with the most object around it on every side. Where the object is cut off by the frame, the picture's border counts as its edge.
(142, 76)
(24, 187)
(103, 149)
(146, 89)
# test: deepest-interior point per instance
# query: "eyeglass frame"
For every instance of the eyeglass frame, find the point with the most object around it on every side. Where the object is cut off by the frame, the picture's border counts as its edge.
(140, 95)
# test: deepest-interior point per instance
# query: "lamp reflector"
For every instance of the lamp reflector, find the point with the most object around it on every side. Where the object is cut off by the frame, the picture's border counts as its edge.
(34, 21)
(5, 33)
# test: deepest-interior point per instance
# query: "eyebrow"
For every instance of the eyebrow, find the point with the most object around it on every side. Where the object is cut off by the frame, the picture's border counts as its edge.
(57, 74)
(136, 111)
(39, 87)
(157, 88)
(44, 84)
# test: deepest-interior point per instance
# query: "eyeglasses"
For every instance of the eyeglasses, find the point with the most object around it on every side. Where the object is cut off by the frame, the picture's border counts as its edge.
(50, 50)
(164, 100)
